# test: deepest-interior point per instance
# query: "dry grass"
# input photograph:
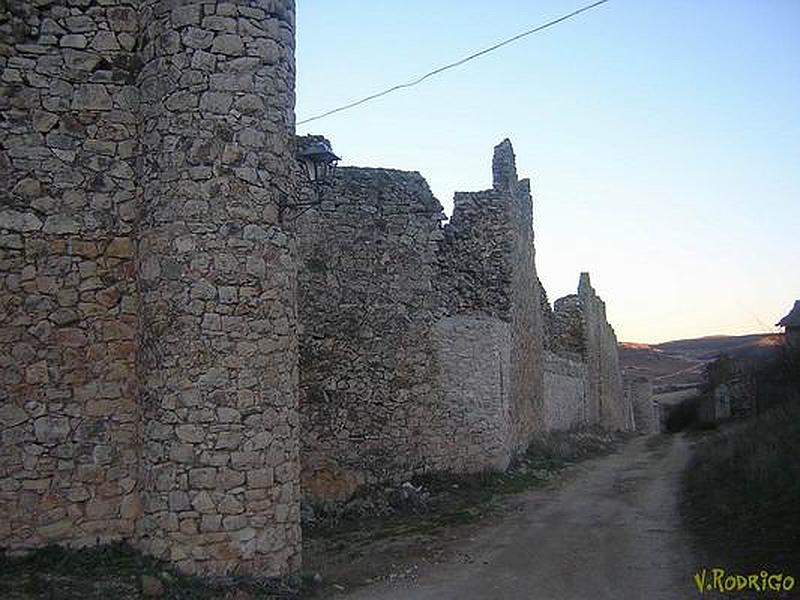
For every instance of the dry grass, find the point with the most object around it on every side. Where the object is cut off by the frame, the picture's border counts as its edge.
(114, 571)
(743, 490)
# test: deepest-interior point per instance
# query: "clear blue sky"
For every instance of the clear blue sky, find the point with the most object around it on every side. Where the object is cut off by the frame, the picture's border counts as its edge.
(662, 138)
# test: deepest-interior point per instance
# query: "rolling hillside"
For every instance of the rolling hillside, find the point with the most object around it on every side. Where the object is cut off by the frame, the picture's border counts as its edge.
(680, 364)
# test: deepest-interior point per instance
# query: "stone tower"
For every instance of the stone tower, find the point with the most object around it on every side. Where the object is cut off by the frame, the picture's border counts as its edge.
(149, 347)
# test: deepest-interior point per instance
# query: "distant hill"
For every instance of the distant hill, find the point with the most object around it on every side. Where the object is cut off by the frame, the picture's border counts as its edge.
(759, 345)
(680, 364)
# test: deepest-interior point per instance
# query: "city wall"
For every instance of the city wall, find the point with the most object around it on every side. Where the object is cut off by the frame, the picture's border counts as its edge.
(418, 342)
(430, 346)
(187, 334)
(581, 335)
(565, 383)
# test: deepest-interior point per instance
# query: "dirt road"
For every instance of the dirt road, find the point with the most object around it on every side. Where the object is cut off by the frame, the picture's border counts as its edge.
(612, 531)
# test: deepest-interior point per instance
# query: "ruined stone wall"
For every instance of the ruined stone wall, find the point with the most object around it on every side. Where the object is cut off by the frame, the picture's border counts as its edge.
(565, 390)
(549, 335)
(366, 307)
(581, 328)
(69, 451)
(149, 356)
(473, 356)
(569, 325)
(371, 344)
(489, 268)
(421, 345)
(733, 388)
(565, 381)
(639, 395)
(605, 394)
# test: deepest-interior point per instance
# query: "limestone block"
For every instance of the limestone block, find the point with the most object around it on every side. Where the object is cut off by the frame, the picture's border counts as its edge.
(91, 96)
(19, 221)
(227, 43)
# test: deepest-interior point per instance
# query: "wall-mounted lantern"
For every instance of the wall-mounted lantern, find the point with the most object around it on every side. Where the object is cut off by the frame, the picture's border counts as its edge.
(318, 160)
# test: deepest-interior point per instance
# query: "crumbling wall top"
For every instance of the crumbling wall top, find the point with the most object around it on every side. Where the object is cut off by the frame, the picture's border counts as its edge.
(585, 285)
(504, 167)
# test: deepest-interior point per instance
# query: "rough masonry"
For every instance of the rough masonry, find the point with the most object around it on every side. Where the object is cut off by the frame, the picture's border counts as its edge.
(582, 339)
(188, 334)
(430, 346)
(639, 391)
(149, 372)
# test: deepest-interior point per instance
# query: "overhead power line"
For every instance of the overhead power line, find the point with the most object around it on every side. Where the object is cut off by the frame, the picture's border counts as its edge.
(458, 63)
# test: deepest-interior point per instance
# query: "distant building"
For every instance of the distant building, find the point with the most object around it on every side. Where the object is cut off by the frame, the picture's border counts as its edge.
(791, 325)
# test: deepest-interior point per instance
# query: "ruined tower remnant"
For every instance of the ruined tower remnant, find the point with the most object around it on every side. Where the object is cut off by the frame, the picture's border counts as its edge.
(149, 386)
(583, 381)
(582, 331)
(489, 273)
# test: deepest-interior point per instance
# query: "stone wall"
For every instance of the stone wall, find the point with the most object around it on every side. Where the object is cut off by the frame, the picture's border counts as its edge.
(569, 328)
(421, 345)
(154, 250)
(488, 267)
(473, 356)
(149, 360)
(581, 327)
(565, 382)
(368, 259)
(69, 455)
(733, 388)
(605, 393)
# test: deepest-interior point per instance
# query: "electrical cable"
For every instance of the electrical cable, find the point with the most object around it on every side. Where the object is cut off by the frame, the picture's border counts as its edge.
(453, 65)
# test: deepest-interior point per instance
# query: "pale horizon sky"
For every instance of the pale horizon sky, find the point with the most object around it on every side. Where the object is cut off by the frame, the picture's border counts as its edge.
(662, 139)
